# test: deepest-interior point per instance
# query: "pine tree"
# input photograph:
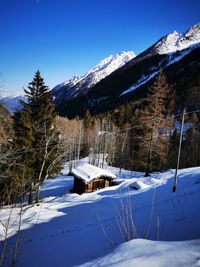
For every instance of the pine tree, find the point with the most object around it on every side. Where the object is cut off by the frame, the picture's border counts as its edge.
(23, 138)
(35, 133)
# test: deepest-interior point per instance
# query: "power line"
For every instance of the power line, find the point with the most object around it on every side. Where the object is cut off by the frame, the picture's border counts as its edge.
(189, 112)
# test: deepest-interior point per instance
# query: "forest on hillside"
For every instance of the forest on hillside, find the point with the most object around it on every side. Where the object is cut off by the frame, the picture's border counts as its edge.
(144, 135)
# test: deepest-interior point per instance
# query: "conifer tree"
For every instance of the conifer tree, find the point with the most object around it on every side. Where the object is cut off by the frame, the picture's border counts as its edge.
(35, 133)
(23, 138)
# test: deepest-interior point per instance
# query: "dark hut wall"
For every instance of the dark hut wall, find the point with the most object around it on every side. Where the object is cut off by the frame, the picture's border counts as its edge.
(81, 187)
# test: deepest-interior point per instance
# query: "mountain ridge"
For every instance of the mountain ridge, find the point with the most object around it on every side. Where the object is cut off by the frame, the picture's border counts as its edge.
(80, 85)
(120, 75)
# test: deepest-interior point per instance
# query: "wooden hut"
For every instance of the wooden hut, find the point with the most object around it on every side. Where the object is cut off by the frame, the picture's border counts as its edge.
(88, 178)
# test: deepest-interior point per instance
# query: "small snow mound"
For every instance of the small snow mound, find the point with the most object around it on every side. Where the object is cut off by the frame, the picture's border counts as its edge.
(137, 185)
(147, 253)
(157, 181)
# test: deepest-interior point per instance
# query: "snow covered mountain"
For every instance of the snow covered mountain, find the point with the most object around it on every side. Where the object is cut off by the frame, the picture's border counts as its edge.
(176, 41)
(119, 78)
(77, 85)
(107, 66)
(11, 103)
(68, 83)
(80, 85)
(178, 55)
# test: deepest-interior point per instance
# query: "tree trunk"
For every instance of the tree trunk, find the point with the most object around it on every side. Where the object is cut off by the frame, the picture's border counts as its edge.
(30, 197)
(149, 157)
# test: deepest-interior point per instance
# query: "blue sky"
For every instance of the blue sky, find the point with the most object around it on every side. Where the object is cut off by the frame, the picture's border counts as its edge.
(63, 38)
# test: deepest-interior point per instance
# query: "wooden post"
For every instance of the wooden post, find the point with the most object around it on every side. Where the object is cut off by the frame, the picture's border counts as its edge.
(179, 151)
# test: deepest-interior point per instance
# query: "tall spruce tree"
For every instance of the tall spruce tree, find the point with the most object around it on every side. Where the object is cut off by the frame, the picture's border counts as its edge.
(35, 132)
(22, 170)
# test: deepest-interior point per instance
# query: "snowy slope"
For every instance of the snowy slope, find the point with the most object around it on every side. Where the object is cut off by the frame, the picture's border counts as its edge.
(79, 85)
(69, 229)
(172, 58)
(69, 83)
(107, 66)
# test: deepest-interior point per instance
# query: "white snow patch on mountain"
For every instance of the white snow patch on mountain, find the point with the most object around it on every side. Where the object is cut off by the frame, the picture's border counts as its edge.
(141, 81)
(168, 43)
(172, 58)
(175, 58)
(191, 37)
(176, 41)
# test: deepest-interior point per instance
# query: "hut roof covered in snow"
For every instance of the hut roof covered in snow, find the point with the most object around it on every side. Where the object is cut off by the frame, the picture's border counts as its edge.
(88, 172)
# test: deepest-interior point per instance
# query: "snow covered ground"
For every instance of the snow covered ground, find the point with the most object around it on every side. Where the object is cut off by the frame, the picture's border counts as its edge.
(67, 229)
(145, 253)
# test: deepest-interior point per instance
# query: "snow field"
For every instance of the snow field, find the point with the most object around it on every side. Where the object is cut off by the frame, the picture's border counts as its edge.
(69, 230)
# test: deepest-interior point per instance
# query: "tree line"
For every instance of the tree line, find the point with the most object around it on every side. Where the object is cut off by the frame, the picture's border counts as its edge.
(144, 135)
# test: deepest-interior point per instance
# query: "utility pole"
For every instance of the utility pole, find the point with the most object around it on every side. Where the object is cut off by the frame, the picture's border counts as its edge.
(122, 151)
(179, 151)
